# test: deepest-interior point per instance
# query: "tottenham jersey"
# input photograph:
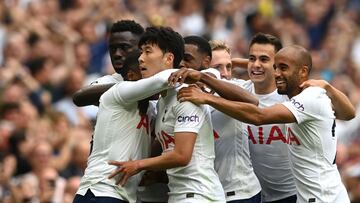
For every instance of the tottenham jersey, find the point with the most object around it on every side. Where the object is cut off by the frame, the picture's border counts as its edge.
(312, 144)
(107, 79)
(120, 134)
(199, 176)
(269, 152)
(232, 157)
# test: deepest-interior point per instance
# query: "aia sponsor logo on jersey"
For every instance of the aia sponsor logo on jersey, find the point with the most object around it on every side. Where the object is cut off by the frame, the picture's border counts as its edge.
(193, 118)
(165, 139)
(144, 122)
(275, 134)
(297, 105)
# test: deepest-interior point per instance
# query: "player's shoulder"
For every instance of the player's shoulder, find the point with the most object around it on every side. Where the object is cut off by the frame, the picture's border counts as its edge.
(313, 93)
(106, 79)
(245, 84)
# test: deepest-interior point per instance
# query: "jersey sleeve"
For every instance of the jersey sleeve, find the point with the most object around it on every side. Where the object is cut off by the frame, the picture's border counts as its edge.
(107, 79)
(188, 117)
(128, 92)
(311, 104)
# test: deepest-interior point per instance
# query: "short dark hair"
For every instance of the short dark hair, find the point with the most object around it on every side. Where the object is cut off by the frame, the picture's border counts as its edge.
(261, 38)
(167, 40)
(131, 63)
(201, 43)
(127, 25)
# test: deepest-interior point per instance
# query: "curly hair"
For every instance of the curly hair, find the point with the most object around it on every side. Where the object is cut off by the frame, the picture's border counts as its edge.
(127, 25)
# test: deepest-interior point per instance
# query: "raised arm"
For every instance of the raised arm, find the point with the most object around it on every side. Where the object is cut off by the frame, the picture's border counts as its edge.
(344, 110)
(241, 111)
(225, 89)
(90, 94)
(133, 91)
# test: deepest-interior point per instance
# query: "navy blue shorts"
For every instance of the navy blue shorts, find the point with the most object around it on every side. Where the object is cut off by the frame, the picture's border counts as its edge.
(90, 198)
(291, 199)
(253, 199)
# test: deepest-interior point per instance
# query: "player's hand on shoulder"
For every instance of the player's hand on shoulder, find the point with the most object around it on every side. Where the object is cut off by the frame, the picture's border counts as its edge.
(193, 94)
(314, 83)
(184, 75)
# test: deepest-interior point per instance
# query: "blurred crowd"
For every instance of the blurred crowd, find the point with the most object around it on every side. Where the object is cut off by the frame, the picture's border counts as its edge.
(51, 48)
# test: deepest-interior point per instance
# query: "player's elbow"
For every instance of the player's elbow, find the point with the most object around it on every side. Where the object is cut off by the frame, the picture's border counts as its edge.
(257, 120)
(77, 98)
(346, 116)
(349, 116)
(182, 160)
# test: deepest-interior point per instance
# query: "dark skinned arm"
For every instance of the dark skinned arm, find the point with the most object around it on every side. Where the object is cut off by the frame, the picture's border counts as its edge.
(344, 110)
(241, 111)
(225, 89)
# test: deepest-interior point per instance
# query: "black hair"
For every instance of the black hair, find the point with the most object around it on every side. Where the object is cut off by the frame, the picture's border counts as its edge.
(261, 38)
(131, 63)
(167, 40)
(201, 43)
(127, 25)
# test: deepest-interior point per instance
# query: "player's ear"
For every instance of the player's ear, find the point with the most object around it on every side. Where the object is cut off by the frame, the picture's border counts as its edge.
(304, 71)
(206, 61)
(169, 59)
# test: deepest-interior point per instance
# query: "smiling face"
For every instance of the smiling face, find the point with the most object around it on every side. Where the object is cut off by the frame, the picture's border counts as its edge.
(287, 73)
(120, 45)
(152, 60)
(260, 66)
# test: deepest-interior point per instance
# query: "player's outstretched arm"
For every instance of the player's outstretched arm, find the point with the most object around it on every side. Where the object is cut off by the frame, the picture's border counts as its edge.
(344, 110)
(241, 111)
(239, 62)
(178, 157)
(223, 88)
(133, 91)
(90, 94)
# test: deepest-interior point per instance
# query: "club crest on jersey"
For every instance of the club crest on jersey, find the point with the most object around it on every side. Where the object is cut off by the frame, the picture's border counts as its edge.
(297, 105)
(193, 118)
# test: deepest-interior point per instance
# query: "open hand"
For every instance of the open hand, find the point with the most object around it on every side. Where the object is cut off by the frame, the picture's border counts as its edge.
(192, 94)
(127, 168)
(184, 75)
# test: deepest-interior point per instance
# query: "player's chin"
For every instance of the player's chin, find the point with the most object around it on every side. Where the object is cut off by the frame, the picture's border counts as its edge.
(117, 68)
(281, 90)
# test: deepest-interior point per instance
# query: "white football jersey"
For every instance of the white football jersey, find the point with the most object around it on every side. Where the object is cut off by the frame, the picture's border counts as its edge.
(269, 152)
(232, 156)
(312, 144)
(198, 178)
(120, 134)
(107, 79)
(157, 192)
